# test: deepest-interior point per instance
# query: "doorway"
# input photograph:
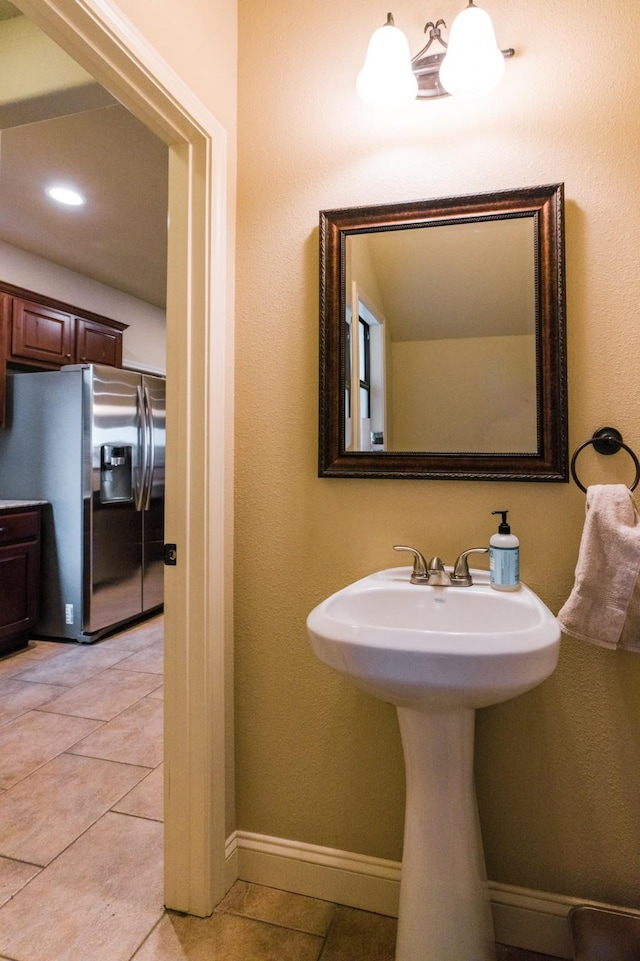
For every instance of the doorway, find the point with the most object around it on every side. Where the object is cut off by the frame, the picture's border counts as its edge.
(198, 722)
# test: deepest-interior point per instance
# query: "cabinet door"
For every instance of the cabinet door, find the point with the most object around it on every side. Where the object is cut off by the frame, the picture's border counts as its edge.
(97, 344)
(41, 335)
(19, 574)
(5, 321)
(18, 592)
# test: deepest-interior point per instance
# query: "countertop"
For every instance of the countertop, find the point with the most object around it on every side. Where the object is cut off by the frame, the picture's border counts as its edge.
(6, 505)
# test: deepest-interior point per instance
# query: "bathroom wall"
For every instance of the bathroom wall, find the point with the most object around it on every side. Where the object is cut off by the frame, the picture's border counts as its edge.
(199, 40)
(558, 769)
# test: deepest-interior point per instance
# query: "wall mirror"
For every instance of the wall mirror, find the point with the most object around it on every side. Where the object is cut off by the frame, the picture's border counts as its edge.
(442, 338)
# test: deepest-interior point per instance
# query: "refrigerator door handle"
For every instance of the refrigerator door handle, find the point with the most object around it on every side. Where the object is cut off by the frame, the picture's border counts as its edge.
(140, 486)
(151, 452)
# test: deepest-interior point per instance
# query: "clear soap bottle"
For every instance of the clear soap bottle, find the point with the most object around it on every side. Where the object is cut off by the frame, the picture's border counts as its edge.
(504, 557)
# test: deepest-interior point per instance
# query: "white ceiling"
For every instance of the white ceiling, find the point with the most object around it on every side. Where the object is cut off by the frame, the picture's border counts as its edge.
(119, 237)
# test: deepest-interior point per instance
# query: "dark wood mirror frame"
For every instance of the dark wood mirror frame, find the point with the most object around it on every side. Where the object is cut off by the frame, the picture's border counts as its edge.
(545, 204)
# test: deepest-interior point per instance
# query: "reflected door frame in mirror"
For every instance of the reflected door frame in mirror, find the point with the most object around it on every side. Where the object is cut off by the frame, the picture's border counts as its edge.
(544, 205)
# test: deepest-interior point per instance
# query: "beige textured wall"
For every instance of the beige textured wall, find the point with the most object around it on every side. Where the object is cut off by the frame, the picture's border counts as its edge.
(487, 392)
(199, 39)
(558, 768)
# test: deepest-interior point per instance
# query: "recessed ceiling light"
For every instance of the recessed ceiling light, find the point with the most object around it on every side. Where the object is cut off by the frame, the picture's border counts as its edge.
(66, 195)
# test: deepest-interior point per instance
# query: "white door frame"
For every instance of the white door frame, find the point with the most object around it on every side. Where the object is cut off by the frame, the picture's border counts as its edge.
(198, 724)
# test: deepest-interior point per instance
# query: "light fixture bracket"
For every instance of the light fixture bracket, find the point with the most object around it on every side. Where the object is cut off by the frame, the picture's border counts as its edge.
(426, 67)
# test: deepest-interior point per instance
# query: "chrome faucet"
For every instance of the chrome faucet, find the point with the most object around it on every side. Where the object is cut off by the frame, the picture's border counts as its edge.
(433, 572)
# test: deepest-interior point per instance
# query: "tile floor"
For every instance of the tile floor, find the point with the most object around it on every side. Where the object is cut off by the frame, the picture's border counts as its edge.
(81, 827)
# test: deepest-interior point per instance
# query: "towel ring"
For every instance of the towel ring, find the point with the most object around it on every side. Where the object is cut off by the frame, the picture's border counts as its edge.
(606, 440)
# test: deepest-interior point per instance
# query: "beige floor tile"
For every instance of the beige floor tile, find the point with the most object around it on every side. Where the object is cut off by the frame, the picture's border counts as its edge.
(279, 907)
(44, 813)
(146, 800)
(43, 650)
(149, 661)
(136, 638)
(28, 656)
(104, 695)
(32, 739)
(77, 664)
(133, 737)
(34, 651)
(225, 937)
(25, 657)
(158, 693)
(17, 697)
(11, 664)
(13, 876)
(360, 936)
(95, 902)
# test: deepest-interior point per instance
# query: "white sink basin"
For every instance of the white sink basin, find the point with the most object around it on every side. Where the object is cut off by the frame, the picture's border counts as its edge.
(436, 647)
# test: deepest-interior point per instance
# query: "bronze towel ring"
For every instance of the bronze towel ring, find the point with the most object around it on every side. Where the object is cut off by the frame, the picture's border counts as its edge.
(606, 440)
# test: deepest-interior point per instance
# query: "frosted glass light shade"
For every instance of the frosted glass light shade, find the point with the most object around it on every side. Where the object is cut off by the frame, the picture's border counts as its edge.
(473, 64)
(386, 80)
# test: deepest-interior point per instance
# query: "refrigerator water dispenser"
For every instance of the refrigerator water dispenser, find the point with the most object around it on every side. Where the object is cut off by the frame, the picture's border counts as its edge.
(116, 475)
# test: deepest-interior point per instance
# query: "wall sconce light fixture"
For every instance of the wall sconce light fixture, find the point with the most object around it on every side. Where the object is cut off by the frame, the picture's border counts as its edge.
(472, 64)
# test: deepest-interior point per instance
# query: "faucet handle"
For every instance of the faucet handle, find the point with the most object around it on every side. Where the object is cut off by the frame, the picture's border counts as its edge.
(461, 576)
(419, 572)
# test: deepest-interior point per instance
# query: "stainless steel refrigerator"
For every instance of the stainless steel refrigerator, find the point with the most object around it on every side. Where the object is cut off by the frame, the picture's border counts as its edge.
(90, 441)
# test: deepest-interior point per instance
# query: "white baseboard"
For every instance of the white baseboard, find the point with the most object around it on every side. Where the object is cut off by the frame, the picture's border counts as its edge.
(353, 879)
(522, 918)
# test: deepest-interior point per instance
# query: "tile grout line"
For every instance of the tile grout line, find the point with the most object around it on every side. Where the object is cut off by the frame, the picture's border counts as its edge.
(42, 709)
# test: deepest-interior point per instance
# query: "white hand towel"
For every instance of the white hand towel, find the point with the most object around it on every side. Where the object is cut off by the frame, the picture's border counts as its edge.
(606, 572)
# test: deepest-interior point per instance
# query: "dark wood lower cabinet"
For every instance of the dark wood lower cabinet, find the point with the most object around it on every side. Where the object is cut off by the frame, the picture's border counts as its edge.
(5, 321)
(19, 575)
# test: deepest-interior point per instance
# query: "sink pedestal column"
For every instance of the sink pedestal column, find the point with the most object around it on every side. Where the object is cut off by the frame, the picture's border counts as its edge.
(445, 914)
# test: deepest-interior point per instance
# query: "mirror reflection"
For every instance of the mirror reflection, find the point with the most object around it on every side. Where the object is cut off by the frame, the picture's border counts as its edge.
(434, 307)
(442, 338)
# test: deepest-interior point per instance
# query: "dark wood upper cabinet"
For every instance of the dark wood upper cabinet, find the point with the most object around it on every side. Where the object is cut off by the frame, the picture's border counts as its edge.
(45, 334)
(97, 344)
(42, 335)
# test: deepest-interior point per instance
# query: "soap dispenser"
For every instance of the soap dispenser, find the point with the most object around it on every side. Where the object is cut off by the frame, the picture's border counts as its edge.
(504, 557)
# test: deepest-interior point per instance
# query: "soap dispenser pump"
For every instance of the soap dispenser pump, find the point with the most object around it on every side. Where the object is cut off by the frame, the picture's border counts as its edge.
(504, 557)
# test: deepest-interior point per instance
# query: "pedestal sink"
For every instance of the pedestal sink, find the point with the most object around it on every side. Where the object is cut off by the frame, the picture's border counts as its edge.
(438, 653)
